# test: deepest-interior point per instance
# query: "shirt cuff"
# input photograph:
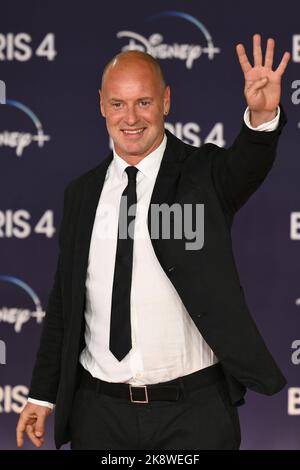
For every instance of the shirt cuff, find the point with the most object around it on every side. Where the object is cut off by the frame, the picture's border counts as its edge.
(268, 126)
(41, 403)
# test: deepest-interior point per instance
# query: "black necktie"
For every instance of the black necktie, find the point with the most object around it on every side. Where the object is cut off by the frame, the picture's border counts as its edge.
(120, 325)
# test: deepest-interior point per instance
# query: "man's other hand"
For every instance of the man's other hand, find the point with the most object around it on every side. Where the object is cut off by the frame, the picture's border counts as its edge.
(32, 421)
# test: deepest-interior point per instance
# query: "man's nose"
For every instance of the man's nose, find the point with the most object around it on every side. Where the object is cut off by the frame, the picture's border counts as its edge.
(131, 116)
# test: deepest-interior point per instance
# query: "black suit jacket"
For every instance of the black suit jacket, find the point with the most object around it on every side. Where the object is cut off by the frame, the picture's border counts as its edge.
(206, 280)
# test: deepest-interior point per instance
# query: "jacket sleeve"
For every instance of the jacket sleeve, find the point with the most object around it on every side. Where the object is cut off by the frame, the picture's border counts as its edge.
(238, 171)
(46, 372)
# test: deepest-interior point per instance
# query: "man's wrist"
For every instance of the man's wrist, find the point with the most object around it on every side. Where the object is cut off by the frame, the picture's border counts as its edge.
(41, 403)
(268, 126)
(258, 118)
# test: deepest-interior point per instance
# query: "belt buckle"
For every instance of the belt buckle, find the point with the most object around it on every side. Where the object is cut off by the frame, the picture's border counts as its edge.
(138, 386)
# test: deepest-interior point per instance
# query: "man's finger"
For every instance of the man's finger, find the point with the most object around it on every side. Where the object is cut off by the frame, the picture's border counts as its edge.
(31, 434)
(253, 87)
(21, 427)
(243, 59)
(40, 426)
(257, 54)
(269, 53)
(284, 61)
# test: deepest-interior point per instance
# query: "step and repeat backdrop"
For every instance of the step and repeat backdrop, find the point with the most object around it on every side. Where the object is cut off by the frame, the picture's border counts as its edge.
(51, 58)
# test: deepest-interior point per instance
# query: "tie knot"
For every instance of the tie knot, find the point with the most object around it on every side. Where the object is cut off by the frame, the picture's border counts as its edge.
(131, 172)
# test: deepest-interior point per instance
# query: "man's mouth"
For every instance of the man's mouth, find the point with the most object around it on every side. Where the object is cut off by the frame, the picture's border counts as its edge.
(133, 131)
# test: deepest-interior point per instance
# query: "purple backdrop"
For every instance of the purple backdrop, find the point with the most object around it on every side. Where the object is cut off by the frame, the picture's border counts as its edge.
(51, 58)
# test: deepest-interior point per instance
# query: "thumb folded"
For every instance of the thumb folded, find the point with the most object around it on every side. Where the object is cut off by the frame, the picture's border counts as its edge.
(40, 427)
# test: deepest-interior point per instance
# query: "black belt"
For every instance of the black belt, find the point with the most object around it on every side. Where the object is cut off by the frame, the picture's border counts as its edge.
(170, 390)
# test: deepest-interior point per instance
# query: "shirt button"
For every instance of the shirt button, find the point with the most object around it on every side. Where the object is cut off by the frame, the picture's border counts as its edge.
(138, 374)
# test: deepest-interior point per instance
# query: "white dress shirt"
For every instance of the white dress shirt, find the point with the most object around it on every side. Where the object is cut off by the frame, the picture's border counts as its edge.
(166, 343)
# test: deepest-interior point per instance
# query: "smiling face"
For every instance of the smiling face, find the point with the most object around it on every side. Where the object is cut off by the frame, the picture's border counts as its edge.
(133, 101)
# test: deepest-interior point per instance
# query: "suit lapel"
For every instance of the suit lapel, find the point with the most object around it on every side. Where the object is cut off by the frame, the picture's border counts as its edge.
(90, 199)
(165, 187)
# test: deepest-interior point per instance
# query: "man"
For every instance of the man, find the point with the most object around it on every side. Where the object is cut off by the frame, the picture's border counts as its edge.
(147, 344)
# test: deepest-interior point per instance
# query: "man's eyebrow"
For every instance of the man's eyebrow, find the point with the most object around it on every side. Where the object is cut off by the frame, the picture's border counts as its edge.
(139, 99)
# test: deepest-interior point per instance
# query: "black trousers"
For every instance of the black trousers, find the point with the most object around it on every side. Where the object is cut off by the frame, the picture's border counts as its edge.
(203, 419)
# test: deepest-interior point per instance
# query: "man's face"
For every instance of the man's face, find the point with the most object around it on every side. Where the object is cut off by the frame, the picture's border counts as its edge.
(133, 101)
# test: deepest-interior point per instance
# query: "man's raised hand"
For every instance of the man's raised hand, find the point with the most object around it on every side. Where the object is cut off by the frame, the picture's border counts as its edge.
(262, 84)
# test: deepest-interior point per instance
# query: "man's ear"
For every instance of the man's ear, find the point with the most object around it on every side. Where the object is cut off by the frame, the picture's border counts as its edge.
(167, 100)
(101, 103)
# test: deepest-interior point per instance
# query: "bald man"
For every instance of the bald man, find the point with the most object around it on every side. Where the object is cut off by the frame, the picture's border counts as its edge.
(147, 344)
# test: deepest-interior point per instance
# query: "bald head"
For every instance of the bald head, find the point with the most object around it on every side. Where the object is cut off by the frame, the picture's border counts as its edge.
(134, 101)
(133, 59)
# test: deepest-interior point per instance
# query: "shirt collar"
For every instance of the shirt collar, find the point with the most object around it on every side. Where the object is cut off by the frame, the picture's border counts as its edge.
(148, 166)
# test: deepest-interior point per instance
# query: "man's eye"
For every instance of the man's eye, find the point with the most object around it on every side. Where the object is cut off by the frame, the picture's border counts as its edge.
(116, 105)
(144, 104)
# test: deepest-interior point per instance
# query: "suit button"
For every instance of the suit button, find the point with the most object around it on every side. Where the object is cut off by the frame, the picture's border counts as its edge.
(199, 314)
